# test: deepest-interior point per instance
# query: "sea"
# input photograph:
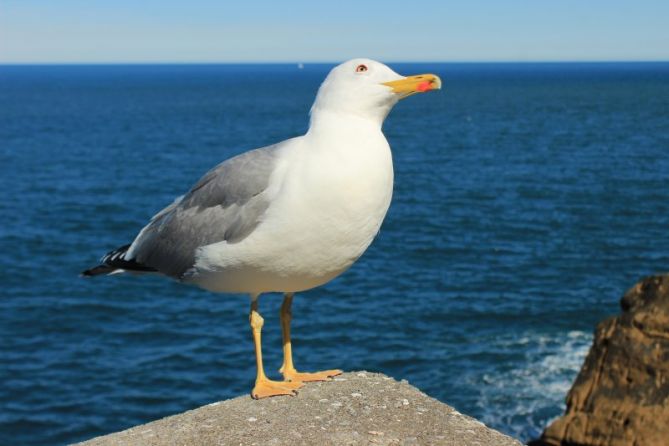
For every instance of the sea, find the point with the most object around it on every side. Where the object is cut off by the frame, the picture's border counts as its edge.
(528, 198)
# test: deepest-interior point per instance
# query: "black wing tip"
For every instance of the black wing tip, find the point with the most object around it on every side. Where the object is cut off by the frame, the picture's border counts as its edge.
(114, 261)
(97, 270)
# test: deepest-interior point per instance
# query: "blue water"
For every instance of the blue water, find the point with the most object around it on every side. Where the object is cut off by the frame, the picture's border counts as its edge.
(528, 198)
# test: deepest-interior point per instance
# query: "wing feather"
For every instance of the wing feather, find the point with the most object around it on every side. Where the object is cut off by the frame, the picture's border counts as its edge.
(226, 204)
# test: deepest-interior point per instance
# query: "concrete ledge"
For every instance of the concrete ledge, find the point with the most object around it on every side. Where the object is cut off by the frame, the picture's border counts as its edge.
(358, 408)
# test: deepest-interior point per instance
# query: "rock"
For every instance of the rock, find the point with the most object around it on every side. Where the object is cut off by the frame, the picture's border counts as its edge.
(358, 409)
(621, 395)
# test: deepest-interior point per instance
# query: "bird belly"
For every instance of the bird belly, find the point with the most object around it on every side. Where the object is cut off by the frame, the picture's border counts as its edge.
(322, 221)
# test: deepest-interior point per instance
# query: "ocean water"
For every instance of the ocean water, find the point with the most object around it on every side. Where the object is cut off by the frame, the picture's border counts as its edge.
(528, 198)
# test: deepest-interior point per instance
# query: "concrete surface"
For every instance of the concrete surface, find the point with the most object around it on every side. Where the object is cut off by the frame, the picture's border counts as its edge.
(357, 408)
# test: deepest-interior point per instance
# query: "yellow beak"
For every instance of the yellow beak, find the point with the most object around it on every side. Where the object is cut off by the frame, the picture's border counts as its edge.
(415, 84)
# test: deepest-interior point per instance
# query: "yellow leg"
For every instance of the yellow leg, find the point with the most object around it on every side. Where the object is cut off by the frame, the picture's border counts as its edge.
(265, 387)
(288, 369)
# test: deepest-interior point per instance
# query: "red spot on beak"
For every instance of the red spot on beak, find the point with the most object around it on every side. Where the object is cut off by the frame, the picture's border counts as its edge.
(424, 86)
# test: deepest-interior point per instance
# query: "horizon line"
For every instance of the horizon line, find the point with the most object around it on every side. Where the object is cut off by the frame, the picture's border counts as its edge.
(298, 62)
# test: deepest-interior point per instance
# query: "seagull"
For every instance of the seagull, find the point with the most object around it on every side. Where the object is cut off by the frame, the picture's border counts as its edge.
(287, 217)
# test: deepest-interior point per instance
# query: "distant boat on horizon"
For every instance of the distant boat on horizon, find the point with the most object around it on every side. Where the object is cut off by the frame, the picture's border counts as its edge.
(300, 66)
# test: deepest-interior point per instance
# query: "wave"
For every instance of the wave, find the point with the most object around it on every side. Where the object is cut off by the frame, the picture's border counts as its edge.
(521, 400)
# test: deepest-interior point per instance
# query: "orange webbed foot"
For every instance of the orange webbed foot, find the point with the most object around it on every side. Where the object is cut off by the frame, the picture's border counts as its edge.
(267, 388)
(326, 375)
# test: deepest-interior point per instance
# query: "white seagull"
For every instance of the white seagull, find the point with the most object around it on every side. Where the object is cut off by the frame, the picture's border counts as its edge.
(287, 217)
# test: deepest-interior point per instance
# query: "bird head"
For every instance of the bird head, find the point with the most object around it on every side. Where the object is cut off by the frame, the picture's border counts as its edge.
(368, 89)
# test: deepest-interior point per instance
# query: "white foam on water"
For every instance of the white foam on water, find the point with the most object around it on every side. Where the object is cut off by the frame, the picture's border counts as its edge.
(521, 400)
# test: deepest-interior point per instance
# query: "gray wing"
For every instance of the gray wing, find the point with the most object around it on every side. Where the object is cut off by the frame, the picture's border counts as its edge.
(225, 205)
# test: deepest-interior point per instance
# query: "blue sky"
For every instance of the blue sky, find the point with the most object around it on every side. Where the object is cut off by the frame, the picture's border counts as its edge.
(72, 31)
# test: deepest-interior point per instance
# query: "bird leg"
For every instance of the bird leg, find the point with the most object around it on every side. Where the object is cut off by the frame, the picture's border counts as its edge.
(288, 369)
(265, 387)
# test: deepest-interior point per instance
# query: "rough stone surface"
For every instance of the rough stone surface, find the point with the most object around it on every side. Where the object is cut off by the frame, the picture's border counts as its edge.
(621, 395)
(358, 408)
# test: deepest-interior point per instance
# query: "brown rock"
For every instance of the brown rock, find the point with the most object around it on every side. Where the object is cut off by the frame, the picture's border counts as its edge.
(621, 395)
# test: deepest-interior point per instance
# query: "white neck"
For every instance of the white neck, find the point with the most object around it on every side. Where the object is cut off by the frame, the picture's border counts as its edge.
(334, 122)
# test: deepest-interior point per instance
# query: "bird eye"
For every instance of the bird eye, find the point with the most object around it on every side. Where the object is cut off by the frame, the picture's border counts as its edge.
(361, 69)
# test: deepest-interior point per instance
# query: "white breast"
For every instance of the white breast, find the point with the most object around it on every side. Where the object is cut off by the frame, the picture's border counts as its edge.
(332, 196)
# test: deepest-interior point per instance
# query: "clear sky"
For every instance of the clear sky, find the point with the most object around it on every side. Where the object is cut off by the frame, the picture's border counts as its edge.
(36, 31)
